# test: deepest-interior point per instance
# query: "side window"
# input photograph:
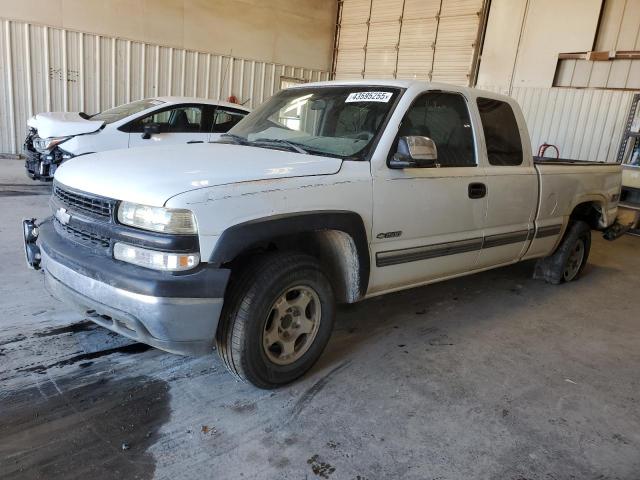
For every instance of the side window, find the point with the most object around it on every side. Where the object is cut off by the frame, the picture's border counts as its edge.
(187, 119)
(501, 134)
(225, 119)
(443, 117)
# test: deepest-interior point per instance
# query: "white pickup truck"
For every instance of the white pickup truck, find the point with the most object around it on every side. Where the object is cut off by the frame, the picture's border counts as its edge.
(328, 192)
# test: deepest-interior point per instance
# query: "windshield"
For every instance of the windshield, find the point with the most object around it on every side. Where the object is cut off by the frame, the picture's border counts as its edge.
(123, 111)
(340, 121)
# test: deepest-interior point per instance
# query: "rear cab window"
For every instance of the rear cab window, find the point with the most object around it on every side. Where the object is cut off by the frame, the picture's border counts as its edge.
(501, 133)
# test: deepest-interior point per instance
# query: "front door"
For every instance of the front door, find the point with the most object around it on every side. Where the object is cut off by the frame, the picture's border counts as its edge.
(178, 124)
(427, 222)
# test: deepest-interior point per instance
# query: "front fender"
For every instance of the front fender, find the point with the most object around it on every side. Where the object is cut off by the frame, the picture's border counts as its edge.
(244, 236)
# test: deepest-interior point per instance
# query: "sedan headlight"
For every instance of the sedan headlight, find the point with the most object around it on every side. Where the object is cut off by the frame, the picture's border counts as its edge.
(157, 219)
(143, 257)
(45, 144)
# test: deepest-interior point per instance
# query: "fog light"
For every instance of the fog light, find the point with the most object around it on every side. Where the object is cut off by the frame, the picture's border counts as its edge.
(157, 260)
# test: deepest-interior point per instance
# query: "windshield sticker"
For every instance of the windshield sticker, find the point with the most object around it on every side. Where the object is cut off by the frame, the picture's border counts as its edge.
(369, 97)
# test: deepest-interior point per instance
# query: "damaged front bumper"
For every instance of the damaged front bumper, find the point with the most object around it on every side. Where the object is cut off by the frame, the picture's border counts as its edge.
(144, 305)
(42, 165)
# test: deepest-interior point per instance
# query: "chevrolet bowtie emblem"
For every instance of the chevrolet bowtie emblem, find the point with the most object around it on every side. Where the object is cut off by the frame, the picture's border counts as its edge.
(62, 216)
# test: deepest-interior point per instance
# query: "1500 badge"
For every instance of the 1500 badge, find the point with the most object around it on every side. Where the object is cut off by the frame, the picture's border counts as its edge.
(389, 234)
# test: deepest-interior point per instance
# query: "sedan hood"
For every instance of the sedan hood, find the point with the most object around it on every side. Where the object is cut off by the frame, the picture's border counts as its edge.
(152, 175)
(62, 124)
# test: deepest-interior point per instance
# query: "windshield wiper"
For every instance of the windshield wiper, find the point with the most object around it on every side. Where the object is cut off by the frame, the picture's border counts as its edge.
(235, 138)
(279, 141)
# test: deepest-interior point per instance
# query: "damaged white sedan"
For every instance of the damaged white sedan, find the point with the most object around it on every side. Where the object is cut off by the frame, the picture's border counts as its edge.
(54, 137)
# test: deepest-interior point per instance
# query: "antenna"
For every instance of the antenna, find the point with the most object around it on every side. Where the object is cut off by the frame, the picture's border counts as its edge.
(226, 70)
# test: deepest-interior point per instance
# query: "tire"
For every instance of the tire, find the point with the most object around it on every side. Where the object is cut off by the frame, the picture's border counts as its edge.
(286, 291)
(568, 261)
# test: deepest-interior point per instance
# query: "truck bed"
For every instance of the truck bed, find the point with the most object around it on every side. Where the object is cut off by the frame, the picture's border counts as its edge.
(564, 161)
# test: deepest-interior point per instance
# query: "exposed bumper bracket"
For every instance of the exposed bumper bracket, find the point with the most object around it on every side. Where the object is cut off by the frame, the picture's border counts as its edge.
(31, 250)
(615, 230)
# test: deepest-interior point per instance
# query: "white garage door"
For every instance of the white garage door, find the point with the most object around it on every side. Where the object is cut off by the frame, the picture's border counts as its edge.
(408, 39)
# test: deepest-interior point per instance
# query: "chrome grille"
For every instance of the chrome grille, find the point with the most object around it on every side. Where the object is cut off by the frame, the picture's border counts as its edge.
(86, 203)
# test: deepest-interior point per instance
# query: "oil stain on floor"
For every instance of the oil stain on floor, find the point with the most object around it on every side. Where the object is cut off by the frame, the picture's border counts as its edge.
(82, 426)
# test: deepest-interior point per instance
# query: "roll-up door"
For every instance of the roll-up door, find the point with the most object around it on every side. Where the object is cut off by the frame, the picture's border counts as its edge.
(408, 39)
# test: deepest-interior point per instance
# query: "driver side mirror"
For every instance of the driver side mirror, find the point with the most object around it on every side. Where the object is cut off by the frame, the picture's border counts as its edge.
(150, 129)
(415, 152)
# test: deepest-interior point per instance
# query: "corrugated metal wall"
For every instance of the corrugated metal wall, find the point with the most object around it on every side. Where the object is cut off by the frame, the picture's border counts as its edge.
(50, 69)
(585, 124)
(410, 39)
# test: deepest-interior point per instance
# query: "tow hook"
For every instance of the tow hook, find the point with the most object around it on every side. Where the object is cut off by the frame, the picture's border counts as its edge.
(31, 250)
(615, 230)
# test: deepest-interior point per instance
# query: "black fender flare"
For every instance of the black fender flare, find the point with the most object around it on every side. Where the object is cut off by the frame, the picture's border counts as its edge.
(243, 236)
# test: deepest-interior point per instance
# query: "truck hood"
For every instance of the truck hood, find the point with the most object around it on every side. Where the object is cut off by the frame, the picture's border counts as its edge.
(152, 175)
(62, 124)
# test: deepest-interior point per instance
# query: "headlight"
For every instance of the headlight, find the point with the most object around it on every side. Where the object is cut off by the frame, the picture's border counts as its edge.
(143, 257)
(157, 219)
(43, 144)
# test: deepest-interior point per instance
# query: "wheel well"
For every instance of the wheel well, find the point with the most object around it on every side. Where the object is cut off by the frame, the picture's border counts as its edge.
(589, 212)
(335, 250)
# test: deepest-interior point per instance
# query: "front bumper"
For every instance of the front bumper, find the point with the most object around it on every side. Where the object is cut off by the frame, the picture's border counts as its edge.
(42, 166)
(34, 166)
(156, 313)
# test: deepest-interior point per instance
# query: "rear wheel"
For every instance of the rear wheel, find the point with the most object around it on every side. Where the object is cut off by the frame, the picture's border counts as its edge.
(575, 260)
(277, 319)
(569, 259)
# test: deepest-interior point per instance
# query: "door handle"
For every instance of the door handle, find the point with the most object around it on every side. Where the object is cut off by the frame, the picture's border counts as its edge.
(195, 141)
(477, 190)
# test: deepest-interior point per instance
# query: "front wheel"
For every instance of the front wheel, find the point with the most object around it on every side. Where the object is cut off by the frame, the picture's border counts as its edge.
(569, 259)
(277, 319)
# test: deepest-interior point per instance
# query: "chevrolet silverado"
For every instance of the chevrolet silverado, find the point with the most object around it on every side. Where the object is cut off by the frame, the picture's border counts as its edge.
(328, 192)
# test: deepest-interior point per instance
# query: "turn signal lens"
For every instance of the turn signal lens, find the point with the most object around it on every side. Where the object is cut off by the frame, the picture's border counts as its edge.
(143, 257)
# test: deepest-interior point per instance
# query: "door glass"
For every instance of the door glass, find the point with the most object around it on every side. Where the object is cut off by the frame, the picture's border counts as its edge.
(444, 118)
(177, 120)
(225, 119)
(501, 133)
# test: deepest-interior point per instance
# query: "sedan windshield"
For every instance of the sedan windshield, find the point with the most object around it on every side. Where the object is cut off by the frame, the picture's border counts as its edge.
(126, 110)
(340, 121)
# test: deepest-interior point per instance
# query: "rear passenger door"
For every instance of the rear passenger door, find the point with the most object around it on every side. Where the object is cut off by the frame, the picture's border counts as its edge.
(224, 119)
(512, 185)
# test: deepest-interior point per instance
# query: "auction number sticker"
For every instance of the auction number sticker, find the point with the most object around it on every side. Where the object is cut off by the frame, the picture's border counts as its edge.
(369, 97)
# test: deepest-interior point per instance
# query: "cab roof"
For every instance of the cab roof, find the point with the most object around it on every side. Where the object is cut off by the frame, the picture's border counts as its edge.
(409, 85)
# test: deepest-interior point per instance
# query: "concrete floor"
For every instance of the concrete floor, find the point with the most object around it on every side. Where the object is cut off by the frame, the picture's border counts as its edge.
(493, 376)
